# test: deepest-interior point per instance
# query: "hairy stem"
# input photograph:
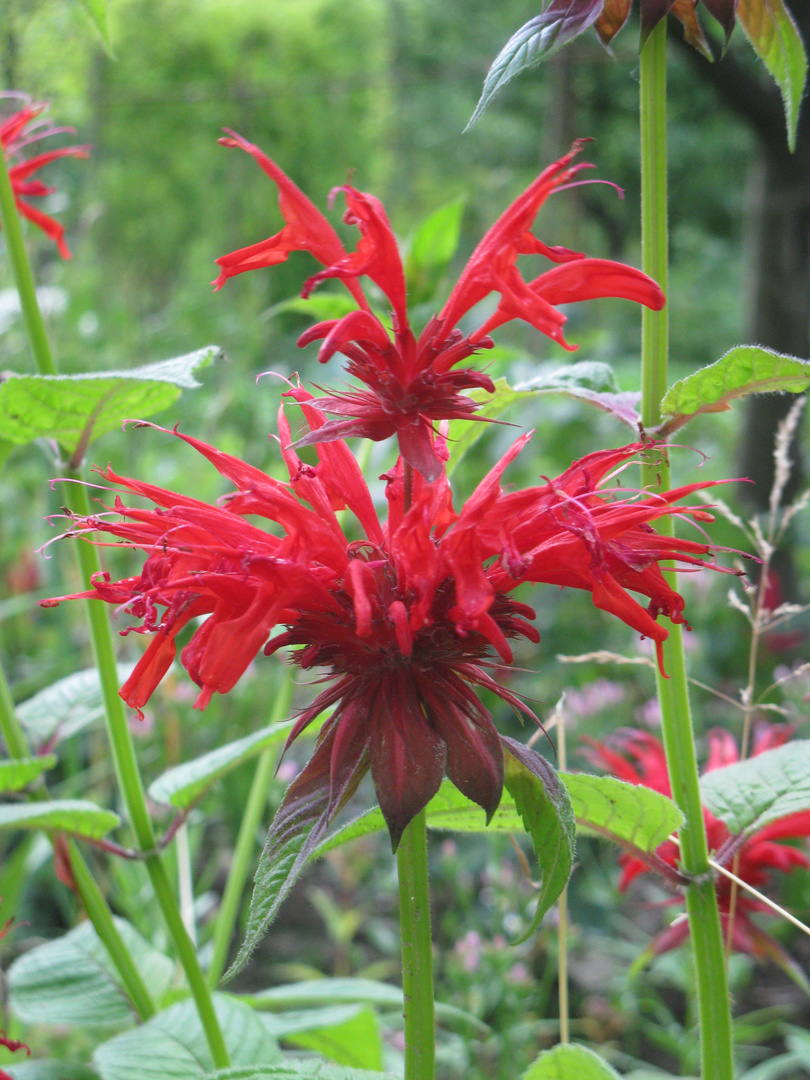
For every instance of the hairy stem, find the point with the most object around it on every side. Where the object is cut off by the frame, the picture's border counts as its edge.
(417, 956)
(701, 897)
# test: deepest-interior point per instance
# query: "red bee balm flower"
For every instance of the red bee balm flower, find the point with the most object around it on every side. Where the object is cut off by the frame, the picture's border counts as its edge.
(20, 130)
(402, 616)
(411, 382)
(638, 757)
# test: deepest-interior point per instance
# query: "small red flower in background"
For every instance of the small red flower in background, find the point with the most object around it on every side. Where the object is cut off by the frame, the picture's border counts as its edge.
(402, 616)
(23, 128)
(411, 383)
(638, 757)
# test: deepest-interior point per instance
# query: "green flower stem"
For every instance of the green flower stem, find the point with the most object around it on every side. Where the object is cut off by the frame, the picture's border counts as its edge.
(417, 955)
(131, 786)
(23, 277)
(94, 903)
(701, 899)
(246, 842)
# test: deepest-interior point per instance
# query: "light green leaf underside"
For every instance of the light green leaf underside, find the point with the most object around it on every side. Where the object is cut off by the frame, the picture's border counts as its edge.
(625, 813)
(17, 773)
(355, 1040)
(44, 1069)
(76, 409)
(751, 794)
(72, 981)
(76, 816)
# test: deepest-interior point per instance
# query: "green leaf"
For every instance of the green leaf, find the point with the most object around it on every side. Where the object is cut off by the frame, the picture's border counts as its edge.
(545, 809)
(538, 39)
(97, 13)
(66, 706)
(432, 246)
(183, 784)
(305, 995)
(43, 1069)
(300, 1070)
(776, 40)
(355, 1041)
(172, 1045)
(751, 794)
(72, 981)
(748, 369)
(628, 814)
(319, 306)
(570, 1062)
(21, 771)
(590, 381)
(76, 816)
(76, 409)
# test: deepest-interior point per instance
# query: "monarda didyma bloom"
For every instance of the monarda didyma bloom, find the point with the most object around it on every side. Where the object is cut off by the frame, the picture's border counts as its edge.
(20, 130)
(403, 619)
(412, 382)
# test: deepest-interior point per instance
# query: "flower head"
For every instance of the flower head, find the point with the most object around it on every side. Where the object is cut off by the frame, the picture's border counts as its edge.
(410, 382)
(638, 758)
(401, 617)
(23, 128)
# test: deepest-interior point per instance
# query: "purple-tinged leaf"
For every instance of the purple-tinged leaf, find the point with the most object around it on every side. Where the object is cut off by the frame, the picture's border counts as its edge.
(723, 11)
(686, 13)
(770, 28)
(652, 12)
(538, 39)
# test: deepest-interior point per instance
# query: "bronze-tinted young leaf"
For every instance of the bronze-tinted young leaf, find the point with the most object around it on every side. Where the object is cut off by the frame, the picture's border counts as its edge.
(723, 11)
(775, 38)
(614, 15)
(686, 13)
(538, 39)
(652, 12)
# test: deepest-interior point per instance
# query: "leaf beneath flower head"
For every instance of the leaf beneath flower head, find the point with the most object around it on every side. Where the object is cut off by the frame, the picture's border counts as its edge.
(627, 814)
(748, 369)
(73, 410)
(751, 794)
(591, 381)
(538, 39)
(776, 40)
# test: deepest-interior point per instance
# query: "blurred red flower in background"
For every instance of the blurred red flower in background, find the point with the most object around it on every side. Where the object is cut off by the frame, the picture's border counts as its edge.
(638, 757)
(24, 127)
(410, 383)
(403, 616)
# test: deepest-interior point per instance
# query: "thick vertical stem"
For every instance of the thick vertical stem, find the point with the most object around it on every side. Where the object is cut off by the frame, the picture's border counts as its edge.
(701, 898)
(417, 955)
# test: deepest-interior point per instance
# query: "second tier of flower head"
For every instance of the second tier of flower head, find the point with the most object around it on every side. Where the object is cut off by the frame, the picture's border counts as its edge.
(404, 617)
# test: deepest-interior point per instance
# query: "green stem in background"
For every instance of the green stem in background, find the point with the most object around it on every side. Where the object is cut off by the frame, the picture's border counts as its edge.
(23, 277)
(126, 766)
(417, 955)
(89, 893)
(676, 723)
(246, 842)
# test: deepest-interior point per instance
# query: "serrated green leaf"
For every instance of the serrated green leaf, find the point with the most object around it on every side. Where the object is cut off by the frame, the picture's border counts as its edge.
(66, 706)
(748, 369)
(319, 306)
(72, 981)
(183, 784)
(538, 39)
(776, 40)
(354, 1041)
(15, 774)
(622, 812)
(76, 816)
(173, 1046)
(749, 795)
(76, 409)
(545, 809)
(570, 1062)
